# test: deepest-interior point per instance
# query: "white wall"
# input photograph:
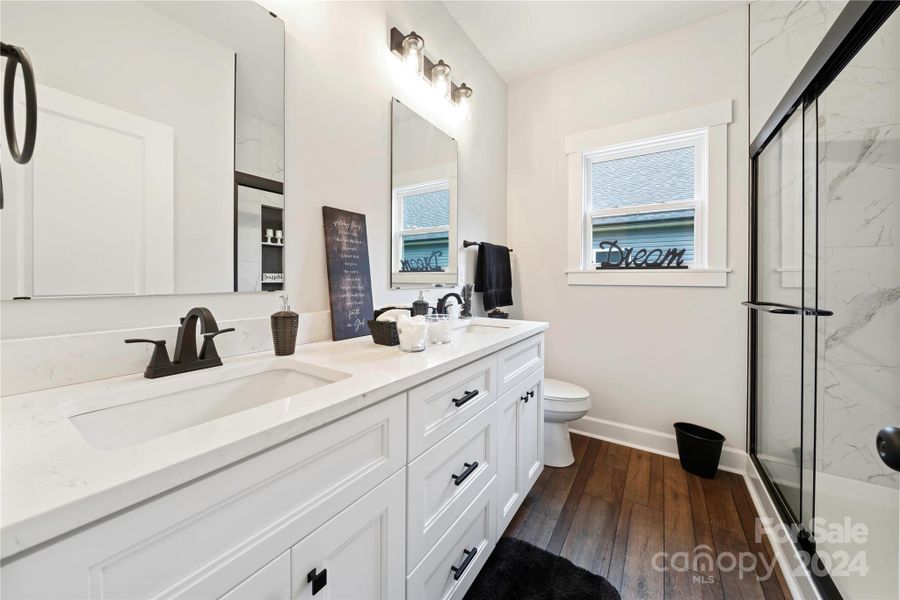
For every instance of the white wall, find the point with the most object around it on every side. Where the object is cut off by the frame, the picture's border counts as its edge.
(340, 77)
(112, 67)
(648, 355)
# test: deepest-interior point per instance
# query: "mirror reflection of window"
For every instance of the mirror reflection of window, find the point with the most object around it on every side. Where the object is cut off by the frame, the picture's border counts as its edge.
(424, 227)
(424, 245)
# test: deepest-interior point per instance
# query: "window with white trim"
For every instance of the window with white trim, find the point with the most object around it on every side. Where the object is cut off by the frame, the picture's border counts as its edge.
(422, 227)
(645, 203)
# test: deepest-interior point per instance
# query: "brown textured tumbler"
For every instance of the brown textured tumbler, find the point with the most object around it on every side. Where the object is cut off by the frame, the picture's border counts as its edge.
(284, 332)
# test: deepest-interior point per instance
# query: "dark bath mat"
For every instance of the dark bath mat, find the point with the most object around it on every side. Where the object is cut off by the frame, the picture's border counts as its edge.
(517, 570)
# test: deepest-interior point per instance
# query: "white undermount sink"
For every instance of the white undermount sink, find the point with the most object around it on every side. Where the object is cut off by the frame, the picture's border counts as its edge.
(153, 408)
(483, 326)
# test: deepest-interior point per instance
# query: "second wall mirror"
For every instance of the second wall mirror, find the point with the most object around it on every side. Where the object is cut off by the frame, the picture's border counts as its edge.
(424, 183)
(158, 164)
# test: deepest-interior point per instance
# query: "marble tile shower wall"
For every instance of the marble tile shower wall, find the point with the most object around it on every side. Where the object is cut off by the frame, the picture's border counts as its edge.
(783, 36)
(859, 258)
(259, 147)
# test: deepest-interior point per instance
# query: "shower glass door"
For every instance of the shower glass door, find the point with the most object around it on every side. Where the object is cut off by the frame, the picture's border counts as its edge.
(779, 324)
(858, 348)
(825, 324)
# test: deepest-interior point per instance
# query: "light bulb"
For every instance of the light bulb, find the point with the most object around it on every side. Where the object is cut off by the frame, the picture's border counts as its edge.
(463, 103)
(413, 53)
(440, 78)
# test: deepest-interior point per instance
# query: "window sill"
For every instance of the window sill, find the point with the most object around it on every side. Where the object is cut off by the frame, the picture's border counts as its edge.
(707, 277)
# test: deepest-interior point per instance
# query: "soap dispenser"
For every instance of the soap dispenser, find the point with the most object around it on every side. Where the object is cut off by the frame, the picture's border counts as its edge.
(284, 329)
(421, 306)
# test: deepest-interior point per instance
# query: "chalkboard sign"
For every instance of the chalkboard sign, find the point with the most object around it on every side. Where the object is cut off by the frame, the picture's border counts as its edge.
(349, 280)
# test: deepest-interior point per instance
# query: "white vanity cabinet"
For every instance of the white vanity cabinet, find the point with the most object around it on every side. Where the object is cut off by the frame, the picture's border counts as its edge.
(272, 582)
(521, 443)
(402, 499)
(357, 554)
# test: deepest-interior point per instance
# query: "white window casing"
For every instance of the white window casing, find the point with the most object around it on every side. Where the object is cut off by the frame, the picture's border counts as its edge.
(705, 128)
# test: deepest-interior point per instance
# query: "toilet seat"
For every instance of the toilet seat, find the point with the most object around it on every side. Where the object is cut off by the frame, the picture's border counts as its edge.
(563, 396)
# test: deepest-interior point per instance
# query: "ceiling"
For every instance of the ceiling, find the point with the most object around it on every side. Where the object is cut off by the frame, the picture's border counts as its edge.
(526, 38)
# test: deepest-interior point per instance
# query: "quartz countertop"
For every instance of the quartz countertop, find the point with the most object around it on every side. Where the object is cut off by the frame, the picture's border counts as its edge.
(53, 481)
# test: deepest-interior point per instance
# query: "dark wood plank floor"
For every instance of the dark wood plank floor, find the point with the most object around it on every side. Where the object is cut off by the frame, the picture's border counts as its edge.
(617, 508)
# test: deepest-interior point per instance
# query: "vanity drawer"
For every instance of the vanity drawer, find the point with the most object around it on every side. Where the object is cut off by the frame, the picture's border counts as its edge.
(475, 530)
(441, 405)
(204, 538)
(468, 456)
(520, 359)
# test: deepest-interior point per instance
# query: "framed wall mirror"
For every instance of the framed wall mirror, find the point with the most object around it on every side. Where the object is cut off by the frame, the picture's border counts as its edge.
(159, 161)
(424, 182)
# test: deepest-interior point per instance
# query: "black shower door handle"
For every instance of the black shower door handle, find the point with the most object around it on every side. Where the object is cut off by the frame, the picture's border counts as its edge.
(777, 308)
(888, 444)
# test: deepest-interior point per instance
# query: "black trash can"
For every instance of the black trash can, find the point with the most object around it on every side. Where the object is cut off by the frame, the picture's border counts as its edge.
(699, 449)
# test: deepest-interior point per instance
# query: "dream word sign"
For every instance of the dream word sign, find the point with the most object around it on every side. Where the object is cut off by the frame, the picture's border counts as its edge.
(429, 264)
(629, 258)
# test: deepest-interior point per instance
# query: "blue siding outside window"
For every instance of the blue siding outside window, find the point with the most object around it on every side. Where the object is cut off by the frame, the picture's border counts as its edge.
(654, 178)
(662, 230)
(424, 245)
(427, 209)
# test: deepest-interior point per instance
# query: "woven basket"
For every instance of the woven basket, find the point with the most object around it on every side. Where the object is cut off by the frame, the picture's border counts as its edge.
(384, 332)
(284, 332)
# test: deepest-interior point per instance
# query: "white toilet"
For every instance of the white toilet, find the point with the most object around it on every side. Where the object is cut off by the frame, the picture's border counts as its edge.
(563, 402)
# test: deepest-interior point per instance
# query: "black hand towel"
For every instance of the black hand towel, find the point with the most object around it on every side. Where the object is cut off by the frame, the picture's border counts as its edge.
(493, 276)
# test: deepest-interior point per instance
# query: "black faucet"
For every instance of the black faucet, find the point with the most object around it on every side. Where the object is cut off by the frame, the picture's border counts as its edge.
(442, 303)
(186, 356)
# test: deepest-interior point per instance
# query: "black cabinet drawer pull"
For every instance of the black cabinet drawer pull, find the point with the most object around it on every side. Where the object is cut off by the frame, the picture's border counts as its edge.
(458, 571)
(531, 394)
(469, 468)
(318, 580)
(466, 397)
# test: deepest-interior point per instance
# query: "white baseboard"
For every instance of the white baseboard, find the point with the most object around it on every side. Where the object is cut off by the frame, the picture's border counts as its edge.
(733, 460)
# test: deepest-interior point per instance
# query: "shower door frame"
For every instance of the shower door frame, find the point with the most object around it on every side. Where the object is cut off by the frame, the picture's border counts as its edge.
(854, 26)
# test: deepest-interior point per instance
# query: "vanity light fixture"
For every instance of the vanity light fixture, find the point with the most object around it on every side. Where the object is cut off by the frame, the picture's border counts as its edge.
(413, 53)
(411, 50)
(440, 79)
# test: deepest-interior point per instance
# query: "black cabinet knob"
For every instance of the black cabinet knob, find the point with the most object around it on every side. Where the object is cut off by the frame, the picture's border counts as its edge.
(318, 580)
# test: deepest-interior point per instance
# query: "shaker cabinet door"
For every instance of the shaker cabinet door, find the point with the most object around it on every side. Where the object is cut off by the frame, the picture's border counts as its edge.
(272, 582)
(531, 431)
(508, 481)
(360, 553)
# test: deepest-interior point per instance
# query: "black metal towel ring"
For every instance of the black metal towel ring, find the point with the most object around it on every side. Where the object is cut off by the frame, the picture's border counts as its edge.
(16, 56)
